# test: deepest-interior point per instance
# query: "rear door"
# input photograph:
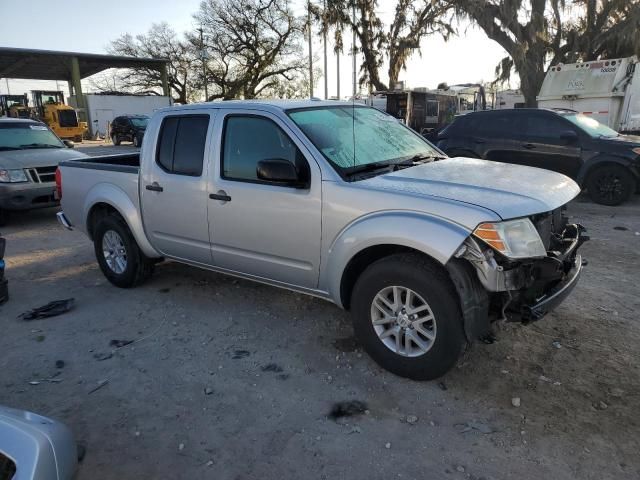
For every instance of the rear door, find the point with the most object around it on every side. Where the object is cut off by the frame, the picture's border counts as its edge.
(174, 187)
(257, 228)
(490, 134)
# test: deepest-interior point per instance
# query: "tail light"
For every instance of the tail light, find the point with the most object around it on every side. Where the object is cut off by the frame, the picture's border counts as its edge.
(58, 184)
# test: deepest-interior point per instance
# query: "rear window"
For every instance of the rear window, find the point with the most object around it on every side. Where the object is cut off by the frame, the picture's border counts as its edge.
(181, 144)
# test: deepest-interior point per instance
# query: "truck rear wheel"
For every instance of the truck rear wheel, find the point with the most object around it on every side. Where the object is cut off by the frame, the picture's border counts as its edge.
(406, 315)
(610, 185)
(118, 254)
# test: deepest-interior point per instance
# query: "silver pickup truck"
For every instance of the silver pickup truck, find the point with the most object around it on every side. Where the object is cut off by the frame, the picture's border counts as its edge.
(341, 202)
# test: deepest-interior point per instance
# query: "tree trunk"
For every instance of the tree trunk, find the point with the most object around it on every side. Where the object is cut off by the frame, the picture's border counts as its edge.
(531, 77)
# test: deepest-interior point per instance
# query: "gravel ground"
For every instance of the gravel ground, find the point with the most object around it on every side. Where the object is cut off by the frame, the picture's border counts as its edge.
(229, 379)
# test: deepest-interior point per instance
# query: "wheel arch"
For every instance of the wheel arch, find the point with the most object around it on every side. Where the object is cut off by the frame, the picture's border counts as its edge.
(603, 160)
(373, 237)
(104, 199)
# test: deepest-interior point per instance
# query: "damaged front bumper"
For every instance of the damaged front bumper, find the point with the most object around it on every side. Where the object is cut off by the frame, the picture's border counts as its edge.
(525, 290)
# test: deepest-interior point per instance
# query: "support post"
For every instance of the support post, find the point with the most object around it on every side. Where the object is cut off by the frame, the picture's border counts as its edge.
(164, 78)
(310, 49)
(77, 87)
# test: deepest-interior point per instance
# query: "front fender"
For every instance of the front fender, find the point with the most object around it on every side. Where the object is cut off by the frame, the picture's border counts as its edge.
(435, 236)
(117, 198)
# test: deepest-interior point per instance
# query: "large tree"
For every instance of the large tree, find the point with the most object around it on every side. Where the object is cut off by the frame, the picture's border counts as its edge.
(396, 42)
(537, 33)
(252, 46)
(159, 42)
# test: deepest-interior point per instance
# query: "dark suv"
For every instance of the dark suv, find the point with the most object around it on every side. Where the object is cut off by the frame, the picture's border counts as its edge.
(129, 128)
(604, 162)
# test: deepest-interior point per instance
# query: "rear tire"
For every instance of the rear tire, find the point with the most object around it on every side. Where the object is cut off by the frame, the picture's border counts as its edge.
(118, 254)
(430, 292)
(115, 139)
(610, 185)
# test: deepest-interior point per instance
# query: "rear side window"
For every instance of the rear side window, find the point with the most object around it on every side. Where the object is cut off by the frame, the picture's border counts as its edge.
(181, 144)
(494, 125)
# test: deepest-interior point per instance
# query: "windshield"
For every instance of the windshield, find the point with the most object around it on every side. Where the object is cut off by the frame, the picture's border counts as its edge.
(18, 136)
(350, 137)
(591, 126)
(140, 122)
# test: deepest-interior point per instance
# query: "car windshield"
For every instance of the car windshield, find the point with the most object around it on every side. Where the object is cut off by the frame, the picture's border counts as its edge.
(355, 139)
(591, 126)
(140, 122)
(24, 135)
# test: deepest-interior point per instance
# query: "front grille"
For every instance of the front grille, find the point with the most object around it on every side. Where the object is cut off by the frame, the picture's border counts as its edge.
(67, 118)
(550, 225)
(42, 174)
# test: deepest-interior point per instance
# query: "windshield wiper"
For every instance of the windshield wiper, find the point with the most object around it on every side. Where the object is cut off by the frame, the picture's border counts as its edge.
(367, 167)
(39, 145)
(10, 148)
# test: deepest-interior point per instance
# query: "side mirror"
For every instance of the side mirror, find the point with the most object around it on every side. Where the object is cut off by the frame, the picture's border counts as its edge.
(569, 136)
(279, 171)
(69, 143)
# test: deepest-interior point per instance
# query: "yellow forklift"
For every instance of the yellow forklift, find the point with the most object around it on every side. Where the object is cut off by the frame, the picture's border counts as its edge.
(14, 106)
(50, 108)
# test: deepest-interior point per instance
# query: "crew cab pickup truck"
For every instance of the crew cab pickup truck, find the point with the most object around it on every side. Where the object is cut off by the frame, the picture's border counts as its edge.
(341, 202)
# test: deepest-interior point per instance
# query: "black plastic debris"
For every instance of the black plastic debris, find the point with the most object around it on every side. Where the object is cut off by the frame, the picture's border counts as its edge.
(120, 343)
(238, 354)
(272, 367)
(348, 408)
(51, 309)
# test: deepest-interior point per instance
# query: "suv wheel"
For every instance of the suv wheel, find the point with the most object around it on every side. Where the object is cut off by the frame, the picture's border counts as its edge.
(407, 316)
(118, 254)
(115, 139)
(610, 185)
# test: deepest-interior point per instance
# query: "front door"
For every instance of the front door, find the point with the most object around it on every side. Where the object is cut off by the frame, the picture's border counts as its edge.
(174, 187)
(257, 228)
(541, 144)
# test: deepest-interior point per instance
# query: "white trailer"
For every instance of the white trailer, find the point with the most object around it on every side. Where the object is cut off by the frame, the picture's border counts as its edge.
(509, 99)
(606, 90)
(102, 109)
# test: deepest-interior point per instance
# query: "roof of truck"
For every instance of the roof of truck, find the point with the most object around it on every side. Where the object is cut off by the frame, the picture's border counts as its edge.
(269, 103)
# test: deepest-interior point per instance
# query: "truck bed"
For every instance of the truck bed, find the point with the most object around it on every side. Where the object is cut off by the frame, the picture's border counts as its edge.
(124, 162)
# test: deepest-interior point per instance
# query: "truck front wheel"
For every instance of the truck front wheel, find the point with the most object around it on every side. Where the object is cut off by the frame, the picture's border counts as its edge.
(118, 254)
(406, 315)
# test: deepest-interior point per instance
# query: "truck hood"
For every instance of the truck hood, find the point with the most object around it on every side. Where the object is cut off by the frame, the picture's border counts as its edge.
(37, 157)
(509, 190)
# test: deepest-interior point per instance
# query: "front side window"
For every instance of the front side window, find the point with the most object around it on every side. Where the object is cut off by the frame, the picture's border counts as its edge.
(181, 144)
(545, 127)
(250, 139)
(353, 137)
(590, 125)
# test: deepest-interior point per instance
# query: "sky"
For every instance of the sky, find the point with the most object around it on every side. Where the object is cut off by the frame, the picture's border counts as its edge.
(89, 26)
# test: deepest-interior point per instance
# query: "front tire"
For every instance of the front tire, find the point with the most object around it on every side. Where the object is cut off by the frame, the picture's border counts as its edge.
(610, 185)
(115, 139)
(118, 254)
(406, 315)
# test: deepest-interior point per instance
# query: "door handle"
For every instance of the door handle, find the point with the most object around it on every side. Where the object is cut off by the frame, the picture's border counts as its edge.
(528, 146)
(221, 195)
(154, 187)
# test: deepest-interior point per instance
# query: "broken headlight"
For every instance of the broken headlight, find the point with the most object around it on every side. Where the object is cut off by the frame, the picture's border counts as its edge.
(514, 238)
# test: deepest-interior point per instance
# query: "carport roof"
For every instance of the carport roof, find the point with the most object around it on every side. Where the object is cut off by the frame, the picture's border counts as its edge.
(53, 65)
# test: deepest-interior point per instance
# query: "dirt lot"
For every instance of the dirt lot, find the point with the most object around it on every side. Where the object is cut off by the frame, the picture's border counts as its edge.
(229, 379)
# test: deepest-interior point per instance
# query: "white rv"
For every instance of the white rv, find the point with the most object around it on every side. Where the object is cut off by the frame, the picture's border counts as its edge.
(509, 99)
(606, 90)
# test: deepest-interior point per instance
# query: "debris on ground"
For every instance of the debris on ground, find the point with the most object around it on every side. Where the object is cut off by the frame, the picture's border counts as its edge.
(515, 401)
(475, 425)
(557, 344)
(101, 384)
(622, 229)
(102, 356)
(387, 445)
(120, 343)
(460, 468)
(442, 385)
(208, 391)
(349, 408)
(412, 419)
(346, 345)
(272, 367)
(238, 354)
(59, 364)
(51, 309)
